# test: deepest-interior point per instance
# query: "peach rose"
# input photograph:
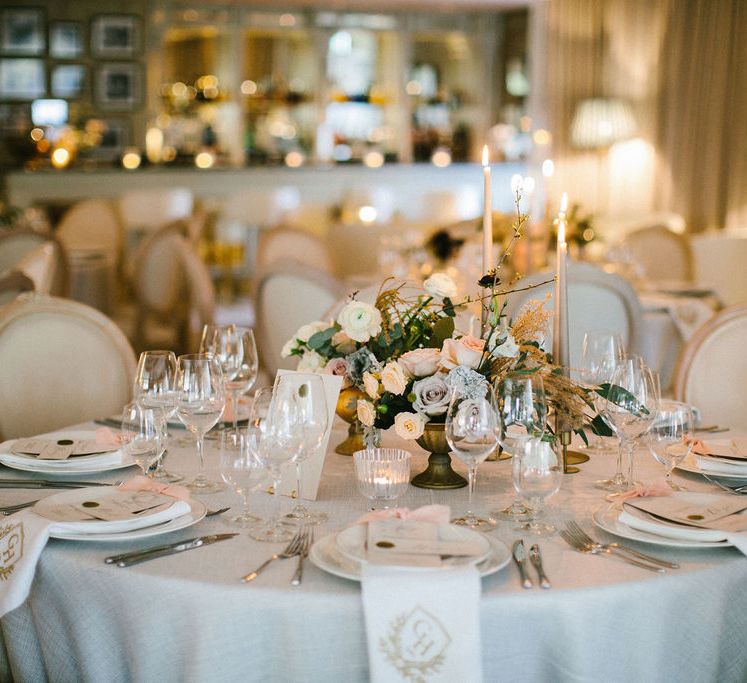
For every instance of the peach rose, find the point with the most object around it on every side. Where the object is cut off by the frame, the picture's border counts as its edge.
(420, 362)
(393, 378)
(466, 350)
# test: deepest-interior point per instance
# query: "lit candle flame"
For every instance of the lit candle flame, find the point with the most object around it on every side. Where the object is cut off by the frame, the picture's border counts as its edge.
(563, 204)
(485, 157)
(561, 231)
(548, 168)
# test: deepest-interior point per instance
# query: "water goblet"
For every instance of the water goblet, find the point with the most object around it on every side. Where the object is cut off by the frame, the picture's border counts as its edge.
(522, 408)
(199, 405)
(472, 432)
(141, 434)
(382, 474)
(670, 437)
(536, 474)
(241, 470)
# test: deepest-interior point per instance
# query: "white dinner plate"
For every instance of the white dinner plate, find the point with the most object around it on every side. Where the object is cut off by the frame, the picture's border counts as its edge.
(352, 543)
(80, 464)
(690, 464)
(325, 555)
(607, 520)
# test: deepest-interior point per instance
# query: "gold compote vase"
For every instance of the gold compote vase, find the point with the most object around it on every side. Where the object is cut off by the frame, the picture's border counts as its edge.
(438, 474)
(347, 403)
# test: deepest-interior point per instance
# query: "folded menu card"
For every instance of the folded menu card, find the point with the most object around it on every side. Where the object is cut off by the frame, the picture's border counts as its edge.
(729, 449)
(60, 449)
(721, 512)
(119, 506)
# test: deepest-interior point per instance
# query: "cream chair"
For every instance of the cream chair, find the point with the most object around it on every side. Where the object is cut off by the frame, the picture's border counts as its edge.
(596, 301)
(18, 245)
(719, 259)
(288, 244)
(12, 284)
(662, 253)
(62, 363)
(40, 265)
(149, 209)
(289, 295)
(711, 371)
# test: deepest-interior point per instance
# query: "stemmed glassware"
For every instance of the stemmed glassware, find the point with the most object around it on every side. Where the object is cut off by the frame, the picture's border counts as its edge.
(199, 405)
(141, 434)
(305, 395)
(670, 437)
(236, 351)
(522, 407)
(241, 470)
(155, 387)
(536, 474)
(274, 440)
(472, 432)
(601, 352)
(630, 409)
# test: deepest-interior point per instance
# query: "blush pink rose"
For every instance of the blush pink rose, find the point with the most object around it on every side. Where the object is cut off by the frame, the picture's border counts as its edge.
(420, 362)
(466, 351)
(339, 367)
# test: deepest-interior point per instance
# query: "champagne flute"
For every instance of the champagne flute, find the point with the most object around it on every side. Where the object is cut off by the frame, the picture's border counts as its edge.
(472, 432)
(670, 437)
(601, 352)
(630, 409)
(274, 442)
(523, 416)
(141, 434)
(242, 471)
(536, 473)
(306, 395)
(199, 405)
(155, 383)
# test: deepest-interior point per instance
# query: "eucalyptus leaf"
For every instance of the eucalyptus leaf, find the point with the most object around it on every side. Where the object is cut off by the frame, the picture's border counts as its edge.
(319, 339)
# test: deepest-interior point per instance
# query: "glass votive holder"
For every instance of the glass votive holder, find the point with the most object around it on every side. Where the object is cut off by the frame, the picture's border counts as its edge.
(383, 474)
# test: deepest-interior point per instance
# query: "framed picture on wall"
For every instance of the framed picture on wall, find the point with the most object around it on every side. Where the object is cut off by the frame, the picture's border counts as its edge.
(115, 136)
(115, 35)
(22, 31)
(66, 40)
(22, 79)
(69, 80)
(118, 85)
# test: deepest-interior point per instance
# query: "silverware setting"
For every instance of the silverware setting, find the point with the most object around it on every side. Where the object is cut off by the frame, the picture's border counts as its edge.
(738, 489)
(48, 484)
(135, 557)
(295, 547)
(535, 557)
(711, 429)
(519, 555)
(308, 539)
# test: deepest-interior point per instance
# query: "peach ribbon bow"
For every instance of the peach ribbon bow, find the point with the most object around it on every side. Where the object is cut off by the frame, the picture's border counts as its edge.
(660, 487)
(141, 483)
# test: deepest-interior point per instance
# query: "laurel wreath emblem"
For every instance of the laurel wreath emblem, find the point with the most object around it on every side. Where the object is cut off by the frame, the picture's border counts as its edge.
(391, 647)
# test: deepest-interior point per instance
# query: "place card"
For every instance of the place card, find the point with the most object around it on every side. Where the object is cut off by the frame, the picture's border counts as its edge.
(59, 449)
(721, 514)
(119, 506)
(727, 449)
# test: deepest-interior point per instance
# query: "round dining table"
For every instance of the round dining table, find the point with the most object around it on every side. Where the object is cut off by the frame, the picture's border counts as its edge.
(188, 617)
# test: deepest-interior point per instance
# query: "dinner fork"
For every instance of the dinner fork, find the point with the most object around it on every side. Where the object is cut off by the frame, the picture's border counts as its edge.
(582, 547)
(308, 538)
(739, 489)
(291, 550)
(575, 530)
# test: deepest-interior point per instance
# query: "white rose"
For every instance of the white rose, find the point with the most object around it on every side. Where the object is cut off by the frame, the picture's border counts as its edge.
(360, 321)
(306, 332)
(288, 348)
(393, 378)
(311, 361)
(432, 395)
(371, 385)
(410, 425)
(509, 348)
(366, 413)
(420, 362)
(466, 351)
(440, 284)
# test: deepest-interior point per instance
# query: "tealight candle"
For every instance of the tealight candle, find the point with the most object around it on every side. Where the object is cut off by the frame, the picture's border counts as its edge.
(382, 474)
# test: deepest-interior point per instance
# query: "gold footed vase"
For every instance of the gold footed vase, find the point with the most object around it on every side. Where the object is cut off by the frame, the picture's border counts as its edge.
(347, 409)
(438, 474)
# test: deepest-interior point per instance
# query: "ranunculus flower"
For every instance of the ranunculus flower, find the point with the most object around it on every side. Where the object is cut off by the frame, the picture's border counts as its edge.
(342, 342)
(420, 362)
(288, 347)
(410, 425)
(371, 385)
(432, 395)
(508, 349)
(440, 284)
(366, 413)
(360, 321)
(339, 367)
(393, 378)
(311, 361)
(466, 350)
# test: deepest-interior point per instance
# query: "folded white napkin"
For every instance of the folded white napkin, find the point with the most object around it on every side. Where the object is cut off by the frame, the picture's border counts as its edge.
(422, 624)
(717, 466)
(24, 535)
(82, 462)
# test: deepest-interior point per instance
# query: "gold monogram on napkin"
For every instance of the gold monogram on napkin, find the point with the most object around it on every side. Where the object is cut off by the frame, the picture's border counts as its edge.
(721, 514)
(59, 449)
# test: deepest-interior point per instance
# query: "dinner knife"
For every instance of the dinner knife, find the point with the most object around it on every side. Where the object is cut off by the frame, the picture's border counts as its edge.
(47, 484)
(520, 558)
(536, 559)
(128, 559)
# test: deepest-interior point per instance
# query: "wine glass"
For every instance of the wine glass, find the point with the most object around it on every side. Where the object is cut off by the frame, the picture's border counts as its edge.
(274, 442)
(141, 434)
(630, 409)
(670, 437)
(306, 394)
(536, 474)
(199, 404)
(600, 354)
(472, 432)
(155, 383)
(242, 471)
(522, 408)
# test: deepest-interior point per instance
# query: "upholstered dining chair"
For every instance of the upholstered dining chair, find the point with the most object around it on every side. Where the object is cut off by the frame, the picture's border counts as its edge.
(12, 284)
(663, 254)
(596, 301)
(711, 372)
(16, 245)
(289, 244)
(289, 295)
(62, 362)
(719, 259)
(148, 209)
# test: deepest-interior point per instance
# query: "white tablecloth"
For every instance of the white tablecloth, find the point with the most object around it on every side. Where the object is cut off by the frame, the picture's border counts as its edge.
(187, 617)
